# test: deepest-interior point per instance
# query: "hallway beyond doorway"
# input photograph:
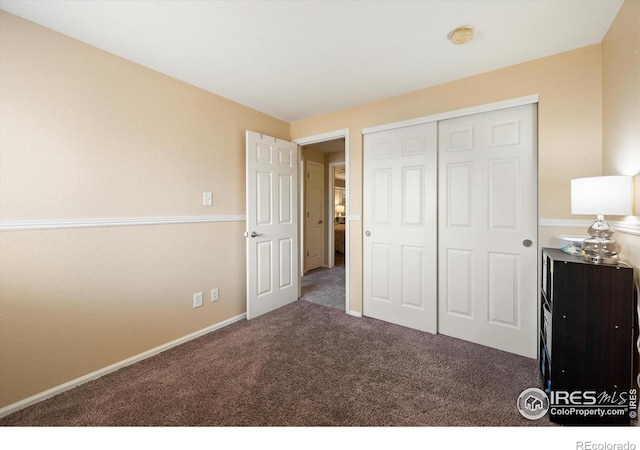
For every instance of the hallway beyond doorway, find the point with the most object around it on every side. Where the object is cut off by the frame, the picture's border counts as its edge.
(326, 286)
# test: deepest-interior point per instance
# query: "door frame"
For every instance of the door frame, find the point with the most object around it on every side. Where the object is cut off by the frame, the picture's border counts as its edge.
(314, 139)
(520, 101)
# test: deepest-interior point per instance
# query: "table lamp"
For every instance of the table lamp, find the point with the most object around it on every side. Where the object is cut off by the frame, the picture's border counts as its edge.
(612, 195)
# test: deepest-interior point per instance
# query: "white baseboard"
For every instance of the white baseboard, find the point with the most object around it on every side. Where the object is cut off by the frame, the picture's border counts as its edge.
(354, 313)
(113, 367)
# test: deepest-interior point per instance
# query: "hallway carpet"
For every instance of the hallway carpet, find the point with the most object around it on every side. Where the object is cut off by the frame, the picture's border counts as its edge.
(326, 286)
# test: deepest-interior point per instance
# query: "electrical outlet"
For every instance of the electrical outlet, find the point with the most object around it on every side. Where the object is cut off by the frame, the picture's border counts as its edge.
(207, 198)
(214, 295)
(197, 299)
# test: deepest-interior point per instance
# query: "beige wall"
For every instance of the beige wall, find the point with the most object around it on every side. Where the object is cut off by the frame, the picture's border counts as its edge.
(569, 86)
(85, 134)
(621, 111)
(311, 155)
(621, 93)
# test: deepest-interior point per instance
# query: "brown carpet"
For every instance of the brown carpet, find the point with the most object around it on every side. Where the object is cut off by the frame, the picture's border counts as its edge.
(303, 365)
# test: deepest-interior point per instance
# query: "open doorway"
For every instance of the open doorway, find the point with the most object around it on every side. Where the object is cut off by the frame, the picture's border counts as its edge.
(324, 222)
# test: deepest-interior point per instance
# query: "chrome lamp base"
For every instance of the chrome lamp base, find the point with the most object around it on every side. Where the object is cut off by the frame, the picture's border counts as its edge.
(600, 248)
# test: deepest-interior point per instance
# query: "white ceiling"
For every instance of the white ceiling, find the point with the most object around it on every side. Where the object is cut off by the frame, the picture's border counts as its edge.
(299, 59)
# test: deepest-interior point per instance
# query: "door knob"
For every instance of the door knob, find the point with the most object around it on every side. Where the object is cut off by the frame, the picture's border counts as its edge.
(254, 234)
(527, 243)
(367, 233)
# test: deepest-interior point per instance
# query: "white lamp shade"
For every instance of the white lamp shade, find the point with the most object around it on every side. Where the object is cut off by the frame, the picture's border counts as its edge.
(602, 195)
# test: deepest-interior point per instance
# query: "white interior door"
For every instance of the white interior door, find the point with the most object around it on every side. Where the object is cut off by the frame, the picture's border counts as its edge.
(314, 217)
(488, 229)
(272, 223)
(399, 219)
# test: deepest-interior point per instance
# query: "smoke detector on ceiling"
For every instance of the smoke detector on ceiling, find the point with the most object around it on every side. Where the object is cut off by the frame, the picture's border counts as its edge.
(461, 35)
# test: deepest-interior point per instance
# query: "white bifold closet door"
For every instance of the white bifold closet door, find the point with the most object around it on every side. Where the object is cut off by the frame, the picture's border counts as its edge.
(488, 229)
(399, 223)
